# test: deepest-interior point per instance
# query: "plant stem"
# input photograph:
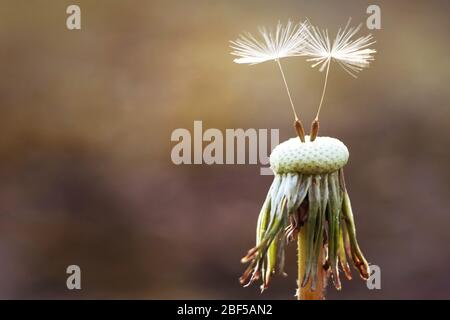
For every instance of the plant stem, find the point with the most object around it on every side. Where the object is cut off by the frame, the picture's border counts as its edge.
(306, 293)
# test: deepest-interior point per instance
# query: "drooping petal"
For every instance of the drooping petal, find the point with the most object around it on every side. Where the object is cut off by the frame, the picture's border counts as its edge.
(313, 208)
(291, 191)
(342, 253)
(358, 258)
(261, 224)
(333, 227)
(318, 233)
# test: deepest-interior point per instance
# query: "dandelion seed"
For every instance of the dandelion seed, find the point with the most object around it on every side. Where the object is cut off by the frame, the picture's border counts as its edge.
(288, 41)
(351, 54)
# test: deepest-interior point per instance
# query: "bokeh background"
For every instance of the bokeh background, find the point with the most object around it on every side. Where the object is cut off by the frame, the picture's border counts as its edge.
(86, 117)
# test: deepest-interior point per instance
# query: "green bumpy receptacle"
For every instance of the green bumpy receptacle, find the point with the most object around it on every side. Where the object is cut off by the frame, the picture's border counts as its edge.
(323, 155)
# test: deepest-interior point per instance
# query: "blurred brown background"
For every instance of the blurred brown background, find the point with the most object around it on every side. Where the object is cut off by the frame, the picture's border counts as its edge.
(85, 171)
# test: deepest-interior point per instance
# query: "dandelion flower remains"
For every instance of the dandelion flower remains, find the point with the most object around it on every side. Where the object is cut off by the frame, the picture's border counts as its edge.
(307, 200)
(288, 41)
